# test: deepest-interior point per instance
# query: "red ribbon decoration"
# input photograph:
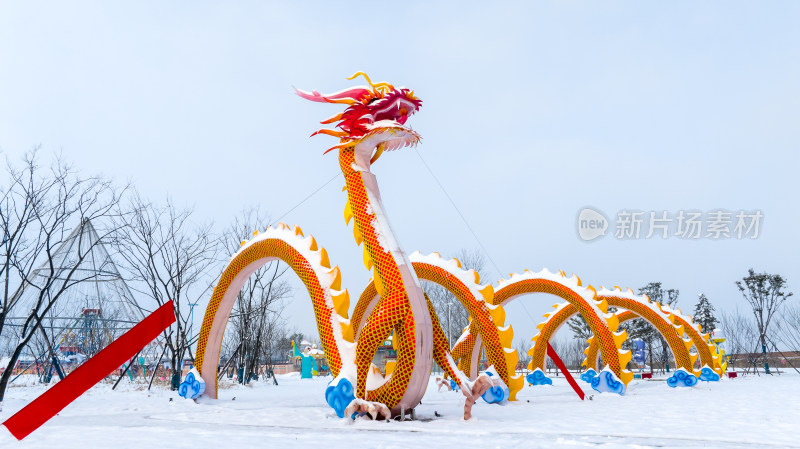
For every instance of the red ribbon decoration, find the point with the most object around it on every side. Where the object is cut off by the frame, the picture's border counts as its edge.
(52, 401)
(554, 357)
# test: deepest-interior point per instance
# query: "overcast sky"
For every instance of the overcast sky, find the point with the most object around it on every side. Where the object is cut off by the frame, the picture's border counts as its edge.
(531, 112)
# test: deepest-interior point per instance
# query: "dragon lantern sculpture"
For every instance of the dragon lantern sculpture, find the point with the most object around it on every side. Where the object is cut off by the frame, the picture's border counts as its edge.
(375, 121)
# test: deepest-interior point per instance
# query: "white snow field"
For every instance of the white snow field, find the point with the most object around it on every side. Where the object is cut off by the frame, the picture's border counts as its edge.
(747, 412)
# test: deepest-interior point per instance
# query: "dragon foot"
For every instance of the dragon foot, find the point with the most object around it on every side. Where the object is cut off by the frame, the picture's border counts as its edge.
(375, 410)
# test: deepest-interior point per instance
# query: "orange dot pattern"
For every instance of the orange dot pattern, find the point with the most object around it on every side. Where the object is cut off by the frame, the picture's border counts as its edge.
(639, 310)
(597, 325)
(662, 322)
(700, 342)
(482, 322)
(462, 350)
(368, 296)
(387, 317)
(481, 317)
(262, 252)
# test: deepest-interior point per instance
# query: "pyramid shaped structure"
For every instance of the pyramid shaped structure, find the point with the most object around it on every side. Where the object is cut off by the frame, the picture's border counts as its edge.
(91, 312)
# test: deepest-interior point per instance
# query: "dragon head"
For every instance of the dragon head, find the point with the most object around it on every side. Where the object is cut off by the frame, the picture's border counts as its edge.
(374, 120)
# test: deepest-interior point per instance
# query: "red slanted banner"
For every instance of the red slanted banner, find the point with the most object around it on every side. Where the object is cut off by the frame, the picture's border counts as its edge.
(554, 357)
(91, 372)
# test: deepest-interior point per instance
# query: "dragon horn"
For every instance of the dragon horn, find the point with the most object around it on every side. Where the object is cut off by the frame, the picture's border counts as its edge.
(375, 87)
(366, 77)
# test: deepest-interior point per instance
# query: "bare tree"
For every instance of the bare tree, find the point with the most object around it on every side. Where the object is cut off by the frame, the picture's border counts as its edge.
(256, 318)
(558, 346)
(573, 354)
(452, 315)
(664, 353)
(41, 210)
(274, 333)
(24, 193)
(765, 294)
(788, 327)
(166, 257)
(787, 335)
(741, 338)
(522, 346)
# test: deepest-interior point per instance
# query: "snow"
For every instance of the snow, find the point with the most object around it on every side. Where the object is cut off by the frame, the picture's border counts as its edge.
(746, 412)
(467, 277)
(573, 283)
(383, 229)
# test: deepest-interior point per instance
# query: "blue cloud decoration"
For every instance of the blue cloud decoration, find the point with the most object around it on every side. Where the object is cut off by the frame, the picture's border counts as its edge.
(537, 377)
(339, 394)
(682, 378)
(589, 375)
(607, 382)
(708, 375)
(192, 386)
(499, 392)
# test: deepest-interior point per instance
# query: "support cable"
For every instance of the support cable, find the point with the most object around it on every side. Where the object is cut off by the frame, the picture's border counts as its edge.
(466, 223)
(305, 199)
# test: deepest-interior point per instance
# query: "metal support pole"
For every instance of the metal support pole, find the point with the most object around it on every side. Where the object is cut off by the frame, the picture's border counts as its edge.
(53, 357)
(126, 369)
(191, 320)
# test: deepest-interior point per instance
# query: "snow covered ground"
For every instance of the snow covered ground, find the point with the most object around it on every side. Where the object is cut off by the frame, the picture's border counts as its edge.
(749, 412)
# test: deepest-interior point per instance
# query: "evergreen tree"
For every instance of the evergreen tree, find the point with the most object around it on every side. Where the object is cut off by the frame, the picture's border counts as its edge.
(579, 327)
(704, 314)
